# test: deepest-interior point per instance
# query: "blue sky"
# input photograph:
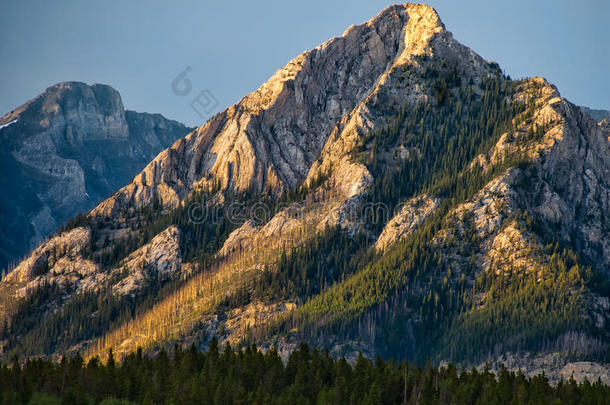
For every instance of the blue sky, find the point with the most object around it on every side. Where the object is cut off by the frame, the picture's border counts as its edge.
(139, 47)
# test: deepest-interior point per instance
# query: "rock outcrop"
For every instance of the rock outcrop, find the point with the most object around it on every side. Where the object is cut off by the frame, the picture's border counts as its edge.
(156, 262)
(62, 262)
(58, 262)
(409, 216)
(554, 368)
(573, 181)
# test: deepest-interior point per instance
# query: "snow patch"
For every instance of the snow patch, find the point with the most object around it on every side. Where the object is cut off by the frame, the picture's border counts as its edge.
(2, 126)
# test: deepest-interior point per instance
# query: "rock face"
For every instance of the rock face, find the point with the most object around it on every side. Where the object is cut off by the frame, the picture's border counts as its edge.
(412, 213)
(66, 150)
(575, 190)
(555, 368)
(522, 217)
(270, 138)
(156, 262)
(59, 262)
(62, 262)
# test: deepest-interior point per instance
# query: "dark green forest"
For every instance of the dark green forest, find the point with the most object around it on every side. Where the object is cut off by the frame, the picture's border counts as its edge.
(250, 376)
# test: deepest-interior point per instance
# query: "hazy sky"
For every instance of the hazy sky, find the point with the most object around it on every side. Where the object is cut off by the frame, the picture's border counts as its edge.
(231, 47)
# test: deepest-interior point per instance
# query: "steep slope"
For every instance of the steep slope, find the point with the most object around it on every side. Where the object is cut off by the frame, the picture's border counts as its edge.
(66, 150)
(269, 139)
(389, 192)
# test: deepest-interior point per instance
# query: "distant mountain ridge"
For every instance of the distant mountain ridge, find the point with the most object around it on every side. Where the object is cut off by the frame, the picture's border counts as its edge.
(597, 115)
(66, 150)
(413, 202)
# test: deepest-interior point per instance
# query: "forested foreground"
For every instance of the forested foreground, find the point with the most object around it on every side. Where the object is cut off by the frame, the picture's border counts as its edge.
(249, 376)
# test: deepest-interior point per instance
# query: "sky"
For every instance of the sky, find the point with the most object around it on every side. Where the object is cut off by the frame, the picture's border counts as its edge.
(227, 49)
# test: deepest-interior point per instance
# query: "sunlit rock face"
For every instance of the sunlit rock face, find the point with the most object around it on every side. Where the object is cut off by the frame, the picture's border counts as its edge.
(64, 151)
(269, 140)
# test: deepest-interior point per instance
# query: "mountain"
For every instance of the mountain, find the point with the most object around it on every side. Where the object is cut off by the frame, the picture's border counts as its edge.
(597, 115)
(389, 192)
(66, 150)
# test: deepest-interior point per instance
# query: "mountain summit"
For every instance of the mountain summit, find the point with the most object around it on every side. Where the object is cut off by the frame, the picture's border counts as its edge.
(269, 139)
(389, 192)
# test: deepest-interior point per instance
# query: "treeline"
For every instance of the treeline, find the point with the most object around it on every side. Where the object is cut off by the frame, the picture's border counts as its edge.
(250, 376)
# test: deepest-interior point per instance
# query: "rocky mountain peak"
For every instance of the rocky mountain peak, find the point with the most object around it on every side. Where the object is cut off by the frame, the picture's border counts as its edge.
(269, 140)
(64, 151)
(69, 95)
(77, 104)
